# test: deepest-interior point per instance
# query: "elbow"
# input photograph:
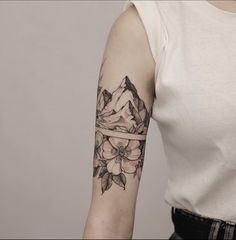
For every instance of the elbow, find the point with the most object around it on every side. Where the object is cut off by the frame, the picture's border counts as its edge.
(109, 225)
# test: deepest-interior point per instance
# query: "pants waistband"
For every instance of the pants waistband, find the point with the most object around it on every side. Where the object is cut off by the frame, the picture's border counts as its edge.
(191, 225)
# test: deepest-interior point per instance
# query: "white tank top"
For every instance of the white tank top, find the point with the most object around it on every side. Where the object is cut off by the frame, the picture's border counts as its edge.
(194, 46)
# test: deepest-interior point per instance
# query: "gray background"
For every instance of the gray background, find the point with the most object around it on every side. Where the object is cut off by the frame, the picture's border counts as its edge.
(50, 54)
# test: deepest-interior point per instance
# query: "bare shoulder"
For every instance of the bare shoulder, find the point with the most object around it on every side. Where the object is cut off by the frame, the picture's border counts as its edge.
(129, 21)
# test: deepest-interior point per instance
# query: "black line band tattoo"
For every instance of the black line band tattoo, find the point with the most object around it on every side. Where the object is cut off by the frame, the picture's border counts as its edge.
(122, 122)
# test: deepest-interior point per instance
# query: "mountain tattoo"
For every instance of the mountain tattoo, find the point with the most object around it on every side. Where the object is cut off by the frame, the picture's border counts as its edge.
(122, 123)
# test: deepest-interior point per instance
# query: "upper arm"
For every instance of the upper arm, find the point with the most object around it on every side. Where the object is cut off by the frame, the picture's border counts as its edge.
(124, 102)
(124, 99)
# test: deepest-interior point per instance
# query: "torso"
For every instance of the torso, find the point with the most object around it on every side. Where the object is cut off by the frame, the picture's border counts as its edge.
(195, 107)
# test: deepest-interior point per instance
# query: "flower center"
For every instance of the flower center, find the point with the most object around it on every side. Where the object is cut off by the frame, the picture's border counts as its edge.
(121, 151)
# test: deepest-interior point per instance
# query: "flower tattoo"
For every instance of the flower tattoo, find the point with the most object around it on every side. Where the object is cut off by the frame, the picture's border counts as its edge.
(97, 149)
(121, 126)
(122, 155)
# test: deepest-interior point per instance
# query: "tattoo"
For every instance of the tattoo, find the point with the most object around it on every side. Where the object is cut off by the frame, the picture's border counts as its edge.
(122, 122)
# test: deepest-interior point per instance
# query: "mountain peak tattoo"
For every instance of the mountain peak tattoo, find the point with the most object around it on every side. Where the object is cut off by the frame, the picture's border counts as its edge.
(122, 122)
(122, 110)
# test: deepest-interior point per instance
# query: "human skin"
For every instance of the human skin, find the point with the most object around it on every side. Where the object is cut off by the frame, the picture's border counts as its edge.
(126, 77)
(124, 101)
(225, 5)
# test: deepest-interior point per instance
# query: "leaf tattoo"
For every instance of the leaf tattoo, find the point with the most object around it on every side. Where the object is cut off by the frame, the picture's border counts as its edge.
(120, 180)
(122, 122)
(106, 181)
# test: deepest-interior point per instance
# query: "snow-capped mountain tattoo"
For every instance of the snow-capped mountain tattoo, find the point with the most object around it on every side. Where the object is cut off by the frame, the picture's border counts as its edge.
(122, 122)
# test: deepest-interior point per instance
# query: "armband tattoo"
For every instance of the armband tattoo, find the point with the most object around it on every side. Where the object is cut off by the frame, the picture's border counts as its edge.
(122, 122)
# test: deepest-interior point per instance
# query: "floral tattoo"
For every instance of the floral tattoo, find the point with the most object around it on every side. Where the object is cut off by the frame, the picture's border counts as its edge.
(122, 121)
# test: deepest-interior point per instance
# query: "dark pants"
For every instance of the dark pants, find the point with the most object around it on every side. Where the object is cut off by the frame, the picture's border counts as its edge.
(189, 225)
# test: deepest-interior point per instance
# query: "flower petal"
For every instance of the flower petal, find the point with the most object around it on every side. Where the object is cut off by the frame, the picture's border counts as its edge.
(99, 138)
(129, 166)
(96, 162)
(134, 154)
(97, 158)
(114, 167)
(133, 151)
(108, 151)
(133, 144)
(118, 142)
(99, 152)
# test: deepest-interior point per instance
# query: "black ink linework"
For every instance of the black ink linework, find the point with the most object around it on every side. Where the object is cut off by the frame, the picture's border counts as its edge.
(121, 111)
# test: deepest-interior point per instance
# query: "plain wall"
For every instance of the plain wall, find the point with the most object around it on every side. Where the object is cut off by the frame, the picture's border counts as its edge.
(50, 55)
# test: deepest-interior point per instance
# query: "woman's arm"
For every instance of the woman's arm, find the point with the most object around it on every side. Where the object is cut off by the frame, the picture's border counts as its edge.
(124, 102)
